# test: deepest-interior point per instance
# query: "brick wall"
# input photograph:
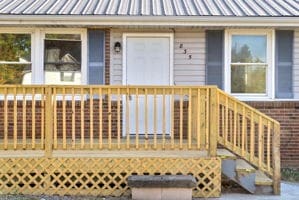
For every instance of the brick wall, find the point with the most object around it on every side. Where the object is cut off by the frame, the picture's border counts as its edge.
(86, 111)
(20, 126)
(287, 113)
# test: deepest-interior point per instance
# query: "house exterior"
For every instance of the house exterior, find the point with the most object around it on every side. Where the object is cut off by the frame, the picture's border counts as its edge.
(247, 48)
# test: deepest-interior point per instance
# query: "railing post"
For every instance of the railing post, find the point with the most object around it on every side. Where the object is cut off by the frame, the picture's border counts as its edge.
(213, 121)
(276, 159)
(48, 122)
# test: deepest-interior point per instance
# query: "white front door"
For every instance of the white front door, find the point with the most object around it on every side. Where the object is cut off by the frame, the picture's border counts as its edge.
(148, 63)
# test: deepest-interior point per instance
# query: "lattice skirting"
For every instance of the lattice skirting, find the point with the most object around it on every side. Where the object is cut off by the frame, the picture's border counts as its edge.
(101, 176)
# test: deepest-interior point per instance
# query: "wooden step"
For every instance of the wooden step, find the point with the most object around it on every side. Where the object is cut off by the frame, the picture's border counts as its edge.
(262, 179)
(225, 154)
(244, 167)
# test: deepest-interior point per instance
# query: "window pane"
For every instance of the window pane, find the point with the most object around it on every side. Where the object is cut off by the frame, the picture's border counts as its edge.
(15, 47)
(249, 49)
(248, 79)
(15, 74)
(62, 60)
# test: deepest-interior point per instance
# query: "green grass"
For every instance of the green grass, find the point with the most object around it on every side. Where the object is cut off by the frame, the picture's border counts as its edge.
(290, 174)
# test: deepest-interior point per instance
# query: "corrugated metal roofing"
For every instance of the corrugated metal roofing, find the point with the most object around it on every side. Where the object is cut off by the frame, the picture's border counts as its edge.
(239, 8)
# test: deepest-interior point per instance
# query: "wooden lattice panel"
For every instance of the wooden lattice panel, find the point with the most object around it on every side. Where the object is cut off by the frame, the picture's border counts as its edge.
(101, 176)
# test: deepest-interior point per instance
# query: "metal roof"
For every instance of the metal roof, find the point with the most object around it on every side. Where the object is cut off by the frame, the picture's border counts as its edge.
(238, 8)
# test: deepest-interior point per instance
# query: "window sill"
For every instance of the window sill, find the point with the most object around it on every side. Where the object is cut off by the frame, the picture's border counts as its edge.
(263, 99)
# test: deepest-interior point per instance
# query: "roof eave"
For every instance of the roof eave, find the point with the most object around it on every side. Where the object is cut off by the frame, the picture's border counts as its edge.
(120, 20)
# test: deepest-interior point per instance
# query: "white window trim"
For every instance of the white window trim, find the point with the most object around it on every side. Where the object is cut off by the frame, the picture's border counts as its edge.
(29, 31)
(40, 54)
(33, 50)
(270, 73)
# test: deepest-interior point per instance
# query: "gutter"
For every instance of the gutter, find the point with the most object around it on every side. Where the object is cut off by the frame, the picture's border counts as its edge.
(121, 20)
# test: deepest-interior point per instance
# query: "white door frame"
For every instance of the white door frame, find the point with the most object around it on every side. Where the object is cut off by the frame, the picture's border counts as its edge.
(124, 58)
(140, 35)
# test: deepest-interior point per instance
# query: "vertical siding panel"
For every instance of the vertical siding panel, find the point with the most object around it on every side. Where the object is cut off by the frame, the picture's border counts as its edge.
(116, 59)
(296, 64)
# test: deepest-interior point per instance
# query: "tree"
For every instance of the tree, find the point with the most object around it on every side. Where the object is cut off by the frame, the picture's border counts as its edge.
(242, 76)
(13, 47)
(243, 55)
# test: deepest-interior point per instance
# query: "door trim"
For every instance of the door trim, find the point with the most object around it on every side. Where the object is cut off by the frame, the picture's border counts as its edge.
(140, 35)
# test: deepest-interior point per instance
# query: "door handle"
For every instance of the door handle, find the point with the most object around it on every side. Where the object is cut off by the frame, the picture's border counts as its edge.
(130, 97)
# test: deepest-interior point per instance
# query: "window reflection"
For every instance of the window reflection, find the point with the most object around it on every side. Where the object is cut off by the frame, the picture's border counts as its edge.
(15, 58)
(248, 79)
(248, 49)
(62, 60)
(249, 64)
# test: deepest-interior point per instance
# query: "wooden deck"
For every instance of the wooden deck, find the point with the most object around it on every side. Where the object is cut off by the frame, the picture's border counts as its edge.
(222, 153)
(104, 154)
(46, 126)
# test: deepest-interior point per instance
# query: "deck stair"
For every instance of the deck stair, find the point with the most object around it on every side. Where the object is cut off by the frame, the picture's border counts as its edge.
(246, 175)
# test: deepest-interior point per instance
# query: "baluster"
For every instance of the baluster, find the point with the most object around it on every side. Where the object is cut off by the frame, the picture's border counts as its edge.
(73, 120)
(91, 117)
(24, 112)
(118, 118)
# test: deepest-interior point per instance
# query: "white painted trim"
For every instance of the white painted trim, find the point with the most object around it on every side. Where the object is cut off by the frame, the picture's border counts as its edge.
(17, 30)
(227, 58)
(267, 100)
(84, 46)
(270, 73)
(183, 21)
(124, 59)
(157, 35)
(273, 63)
(38, 62)
(31, 32)
(84, 58)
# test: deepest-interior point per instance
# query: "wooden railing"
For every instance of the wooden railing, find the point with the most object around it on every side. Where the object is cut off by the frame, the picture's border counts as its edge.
(53, 118)
(250, 134)
(108, 118)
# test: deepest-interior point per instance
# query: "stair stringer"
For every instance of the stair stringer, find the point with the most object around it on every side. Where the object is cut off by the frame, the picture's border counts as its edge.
(243, 175)
(245, 180)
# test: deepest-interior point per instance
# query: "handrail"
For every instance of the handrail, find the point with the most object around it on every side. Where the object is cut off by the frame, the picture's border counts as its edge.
(251, 135)
(249, 107)
(104, 117)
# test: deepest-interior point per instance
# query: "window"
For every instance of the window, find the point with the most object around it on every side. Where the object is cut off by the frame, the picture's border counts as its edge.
(62, 59)
(43, 56)
(15, 58)
(249, 63)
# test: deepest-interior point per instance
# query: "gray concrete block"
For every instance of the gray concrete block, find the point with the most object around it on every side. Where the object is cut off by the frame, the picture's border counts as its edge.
(163, 181)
